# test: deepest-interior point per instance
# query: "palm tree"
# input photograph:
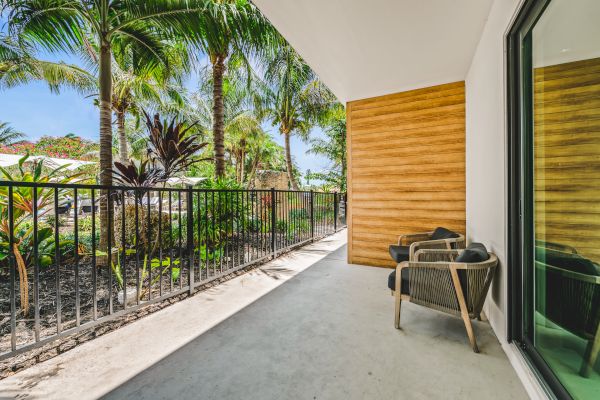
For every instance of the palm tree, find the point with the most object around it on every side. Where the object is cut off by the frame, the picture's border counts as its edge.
(333, 147)
(117, 27)
(240, 123)
(264, 153)
(293, 98)
(231, 31)
(9, 135)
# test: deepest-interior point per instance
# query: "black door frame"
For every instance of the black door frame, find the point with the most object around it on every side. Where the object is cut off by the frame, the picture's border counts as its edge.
(520, 196)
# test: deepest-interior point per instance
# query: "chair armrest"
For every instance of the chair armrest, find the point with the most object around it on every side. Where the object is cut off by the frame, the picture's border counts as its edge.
(435, 255)
(406, 240)
(440, 244)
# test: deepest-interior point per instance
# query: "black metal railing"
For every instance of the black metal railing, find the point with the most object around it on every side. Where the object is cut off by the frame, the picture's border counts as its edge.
(73, 256)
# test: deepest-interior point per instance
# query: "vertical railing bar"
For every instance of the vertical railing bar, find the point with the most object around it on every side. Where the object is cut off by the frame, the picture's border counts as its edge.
(57, 263)
(160, 249)
(109, 204)
(94, 277)
(312, 215)
(190, 238)
(180, 230)
(220, 233)
(199, 213)
(36, 266)
(76, 245)
(231, 227)
(225, 224)
(13, 272)
(251, 233)
(335, 211)
(123, 260)
(149, 243)
(206, 233)
(273, 223)
(170, 240)
(239, 226)
(137, 198)
(213, 233)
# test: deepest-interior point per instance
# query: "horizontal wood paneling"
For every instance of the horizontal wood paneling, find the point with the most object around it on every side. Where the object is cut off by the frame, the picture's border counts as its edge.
(406, 168)
(567, 155)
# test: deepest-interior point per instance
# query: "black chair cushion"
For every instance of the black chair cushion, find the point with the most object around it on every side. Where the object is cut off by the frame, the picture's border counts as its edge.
(474, 253)
(443, 233)
(399, 253)
(404, 285)
(567, 261)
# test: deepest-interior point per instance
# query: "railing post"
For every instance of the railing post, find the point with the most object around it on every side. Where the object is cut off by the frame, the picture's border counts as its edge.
(335, 211)
(312, 214)
(190, 237)
(273, 222)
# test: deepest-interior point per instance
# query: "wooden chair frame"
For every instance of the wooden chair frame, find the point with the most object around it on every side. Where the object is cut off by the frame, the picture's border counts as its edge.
(435, 283)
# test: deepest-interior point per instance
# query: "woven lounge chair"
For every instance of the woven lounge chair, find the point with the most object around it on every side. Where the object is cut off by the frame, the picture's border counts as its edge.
(451, 281)
(571, 298)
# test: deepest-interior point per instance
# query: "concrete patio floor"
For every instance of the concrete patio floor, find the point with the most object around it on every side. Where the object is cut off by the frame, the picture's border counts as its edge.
(304, 326)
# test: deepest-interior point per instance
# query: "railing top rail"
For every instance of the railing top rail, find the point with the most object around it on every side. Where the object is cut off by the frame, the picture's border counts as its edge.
(142, 189)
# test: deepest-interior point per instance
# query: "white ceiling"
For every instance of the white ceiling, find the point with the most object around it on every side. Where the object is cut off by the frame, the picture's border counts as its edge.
(365, 48)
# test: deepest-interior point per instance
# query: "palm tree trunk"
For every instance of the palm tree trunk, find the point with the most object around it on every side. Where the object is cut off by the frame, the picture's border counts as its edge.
(242, 165)
(219, 115)
(253, 170)
(123, 152)
(288, 161)
(105, 143)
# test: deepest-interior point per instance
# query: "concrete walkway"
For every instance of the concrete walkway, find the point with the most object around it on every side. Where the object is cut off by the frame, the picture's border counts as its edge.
(305, 326)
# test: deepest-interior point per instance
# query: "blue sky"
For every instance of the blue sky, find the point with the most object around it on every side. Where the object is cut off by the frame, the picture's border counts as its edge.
(35, 111)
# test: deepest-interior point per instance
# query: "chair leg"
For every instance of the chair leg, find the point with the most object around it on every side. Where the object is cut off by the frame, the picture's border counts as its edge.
(463, 308)
(470, 332)
(398, 298)
(591, 355)
(398, 309)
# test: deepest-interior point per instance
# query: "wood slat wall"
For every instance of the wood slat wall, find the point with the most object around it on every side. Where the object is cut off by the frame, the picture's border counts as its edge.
(567, 155)
(406, 168)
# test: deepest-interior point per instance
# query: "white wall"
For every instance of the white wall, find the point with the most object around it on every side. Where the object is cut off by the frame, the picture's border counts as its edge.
(486, 152)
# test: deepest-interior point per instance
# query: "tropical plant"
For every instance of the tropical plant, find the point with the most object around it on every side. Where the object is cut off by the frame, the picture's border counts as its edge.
(334, 148)
(8, 135)
(292, 98)
(172, 149)
(264, 153)
(117, 29)
(231, 32)
(23, 207)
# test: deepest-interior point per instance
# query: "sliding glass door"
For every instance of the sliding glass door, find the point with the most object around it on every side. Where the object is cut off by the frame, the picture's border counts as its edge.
(557, 119)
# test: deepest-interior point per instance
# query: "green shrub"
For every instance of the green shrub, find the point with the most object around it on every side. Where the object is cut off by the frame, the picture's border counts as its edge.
(130, 228)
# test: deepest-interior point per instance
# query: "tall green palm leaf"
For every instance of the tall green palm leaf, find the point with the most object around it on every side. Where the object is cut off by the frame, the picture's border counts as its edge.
(18, 66)
(293, 99)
